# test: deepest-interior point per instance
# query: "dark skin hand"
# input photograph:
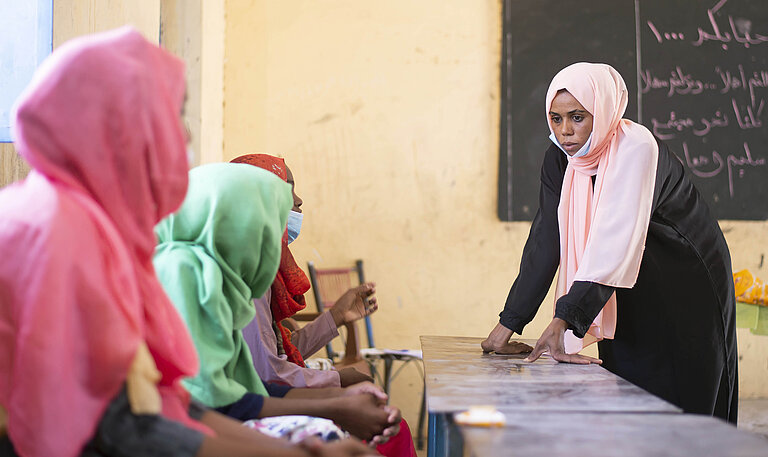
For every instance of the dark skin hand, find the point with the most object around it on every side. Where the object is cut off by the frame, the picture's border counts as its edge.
(362, 415)
(552, 340)
(498, 342)
(327, 392)
(350, 376)
(355, 304)
(357, 389)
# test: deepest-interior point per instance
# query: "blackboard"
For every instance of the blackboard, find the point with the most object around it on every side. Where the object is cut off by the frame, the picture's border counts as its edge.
(697, 74)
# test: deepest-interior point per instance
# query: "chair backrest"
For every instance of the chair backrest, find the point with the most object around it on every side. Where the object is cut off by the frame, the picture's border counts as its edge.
(329, 284)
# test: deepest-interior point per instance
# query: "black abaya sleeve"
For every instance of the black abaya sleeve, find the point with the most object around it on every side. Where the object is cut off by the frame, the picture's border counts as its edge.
(541, 253)
(581, 305)
(541, 256)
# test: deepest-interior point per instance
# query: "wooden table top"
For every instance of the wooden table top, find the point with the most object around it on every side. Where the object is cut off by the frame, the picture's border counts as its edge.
(458, 375)
(534, 434)
(556, 410)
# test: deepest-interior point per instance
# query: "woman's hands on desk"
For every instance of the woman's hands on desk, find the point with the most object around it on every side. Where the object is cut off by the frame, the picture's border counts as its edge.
(552, 340)
(498, 342)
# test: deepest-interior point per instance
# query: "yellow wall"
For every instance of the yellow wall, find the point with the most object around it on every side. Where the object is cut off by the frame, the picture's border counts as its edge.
(73, 18)
(387, 112)
(194, 31)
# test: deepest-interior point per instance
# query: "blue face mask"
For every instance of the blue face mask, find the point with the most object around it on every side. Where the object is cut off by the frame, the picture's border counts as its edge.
(580, 153)
(294, 225)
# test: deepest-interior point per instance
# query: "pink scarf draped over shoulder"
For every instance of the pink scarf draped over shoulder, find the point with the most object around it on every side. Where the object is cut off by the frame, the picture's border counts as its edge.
(603, 229)
(100, 126)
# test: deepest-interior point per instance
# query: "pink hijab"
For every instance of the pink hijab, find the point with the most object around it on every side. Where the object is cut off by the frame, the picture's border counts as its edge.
(100, 126)
(603, 231)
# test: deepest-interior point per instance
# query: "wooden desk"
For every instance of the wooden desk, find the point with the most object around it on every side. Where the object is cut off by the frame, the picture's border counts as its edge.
(613, 434)
(458, 375)
(586, 407)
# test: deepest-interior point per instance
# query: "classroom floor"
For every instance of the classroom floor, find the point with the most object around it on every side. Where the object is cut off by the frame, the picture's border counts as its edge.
(753, 415)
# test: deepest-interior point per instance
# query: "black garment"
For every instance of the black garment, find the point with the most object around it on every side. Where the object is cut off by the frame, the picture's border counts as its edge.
(675, 331)
(120, 433)
(250, 405)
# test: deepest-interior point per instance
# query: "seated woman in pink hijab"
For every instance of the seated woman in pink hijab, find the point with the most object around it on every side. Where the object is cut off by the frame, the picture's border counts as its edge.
(92, 352)
(644, 268)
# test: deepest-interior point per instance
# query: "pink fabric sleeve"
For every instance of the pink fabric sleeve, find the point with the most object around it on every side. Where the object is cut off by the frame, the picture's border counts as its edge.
(262, 342)
(315, 335)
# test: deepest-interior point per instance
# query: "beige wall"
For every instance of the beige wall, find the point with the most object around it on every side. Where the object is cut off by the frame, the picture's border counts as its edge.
(387, 112)
(194, 31)
(73, 18)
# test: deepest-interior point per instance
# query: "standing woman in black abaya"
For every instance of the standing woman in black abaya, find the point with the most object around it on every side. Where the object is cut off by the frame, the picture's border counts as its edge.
(644, 269)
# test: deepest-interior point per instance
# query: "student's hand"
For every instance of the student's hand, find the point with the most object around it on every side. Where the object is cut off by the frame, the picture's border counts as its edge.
(350, 376)
(367, 387)
(552, 340)
(361, 415)
(394, 415)
(394, 419)
(498, 342)
(344, 448)
(355, 304)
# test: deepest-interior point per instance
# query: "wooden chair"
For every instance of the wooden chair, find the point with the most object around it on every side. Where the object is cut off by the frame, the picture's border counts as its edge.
(328, 285)
(334, 284)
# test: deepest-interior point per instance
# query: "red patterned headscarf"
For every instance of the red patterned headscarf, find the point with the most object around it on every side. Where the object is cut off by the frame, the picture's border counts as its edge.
(291, 283)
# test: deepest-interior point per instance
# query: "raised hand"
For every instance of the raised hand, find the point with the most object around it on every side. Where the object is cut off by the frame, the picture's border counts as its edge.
(356, 303)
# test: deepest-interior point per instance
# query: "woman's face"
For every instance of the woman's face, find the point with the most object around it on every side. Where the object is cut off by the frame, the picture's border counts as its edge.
(297, 201)
(569, 120)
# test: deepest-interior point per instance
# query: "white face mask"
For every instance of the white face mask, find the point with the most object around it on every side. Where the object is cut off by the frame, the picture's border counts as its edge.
(190, 155)
(293, 226)
(580, 153)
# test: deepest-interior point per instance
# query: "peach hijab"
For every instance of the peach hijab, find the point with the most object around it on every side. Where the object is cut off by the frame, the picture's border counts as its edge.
(603, 230)
(100, 126)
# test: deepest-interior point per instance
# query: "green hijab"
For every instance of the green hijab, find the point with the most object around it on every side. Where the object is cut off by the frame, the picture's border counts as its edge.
(220, 250)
